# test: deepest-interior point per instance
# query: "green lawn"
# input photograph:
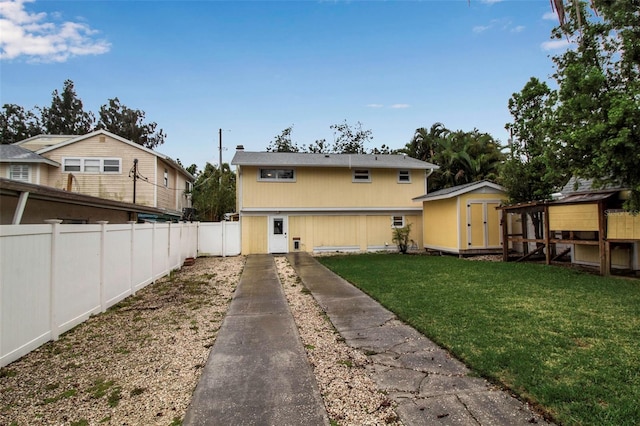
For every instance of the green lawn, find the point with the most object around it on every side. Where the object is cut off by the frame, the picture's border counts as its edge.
(565, 340)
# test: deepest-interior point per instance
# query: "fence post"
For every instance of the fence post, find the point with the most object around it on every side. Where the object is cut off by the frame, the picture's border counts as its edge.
(103, 246)
(132, 240)
(53, 320)
(223, 223)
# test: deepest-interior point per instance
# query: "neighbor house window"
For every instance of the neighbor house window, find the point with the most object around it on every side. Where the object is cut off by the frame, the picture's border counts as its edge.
(277, 174)
(397, 221)
(166, 178)
(361, 175)
(92, 165)
(19, 172)
(404, 176)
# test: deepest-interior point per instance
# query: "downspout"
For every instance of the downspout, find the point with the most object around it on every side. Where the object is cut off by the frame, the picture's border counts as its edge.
(426, 179)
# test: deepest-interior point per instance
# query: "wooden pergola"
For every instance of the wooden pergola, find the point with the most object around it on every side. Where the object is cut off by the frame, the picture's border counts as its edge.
(548, 242)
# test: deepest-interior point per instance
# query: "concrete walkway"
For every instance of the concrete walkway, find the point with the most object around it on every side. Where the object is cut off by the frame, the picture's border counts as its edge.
(429, 386)
(257, 372)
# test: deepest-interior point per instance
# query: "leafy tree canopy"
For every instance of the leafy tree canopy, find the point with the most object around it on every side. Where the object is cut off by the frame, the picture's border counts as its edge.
(463, 157)
(16, 124)
(66, 115)
(129, 124)
(348, 140)
(214, 193)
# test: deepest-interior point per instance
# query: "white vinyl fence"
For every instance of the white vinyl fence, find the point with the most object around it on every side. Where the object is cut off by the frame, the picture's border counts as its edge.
(219, 239)
(54, 276)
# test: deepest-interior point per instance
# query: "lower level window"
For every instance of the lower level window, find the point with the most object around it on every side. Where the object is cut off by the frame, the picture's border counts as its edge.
(19, 172)
(397, 221)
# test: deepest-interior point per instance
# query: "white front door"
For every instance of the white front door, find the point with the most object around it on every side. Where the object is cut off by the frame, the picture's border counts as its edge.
(278, 240)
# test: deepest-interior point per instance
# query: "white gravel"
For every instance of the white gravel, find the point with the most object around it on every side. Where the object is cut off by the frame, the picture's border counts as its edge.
(139, 363)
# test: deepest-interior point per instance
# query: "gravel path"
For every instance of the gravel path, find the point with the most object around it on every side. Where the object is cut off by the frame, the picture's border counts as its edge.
(138, 363)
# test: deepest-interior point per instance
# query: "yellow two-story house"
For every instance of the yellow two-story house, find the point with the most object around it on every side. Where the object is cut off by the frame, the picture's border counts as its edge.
(327, 202)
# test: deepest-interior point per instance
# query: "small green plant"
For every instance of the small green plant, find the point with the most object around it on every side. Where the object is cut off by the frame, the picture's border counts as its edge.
(115, 397)
(346, 362)
(309, 347)
(5, 372)
(64, 395)
(401, 238)
(137, 391)
(100, 388)
(177, 421)
(81, 422)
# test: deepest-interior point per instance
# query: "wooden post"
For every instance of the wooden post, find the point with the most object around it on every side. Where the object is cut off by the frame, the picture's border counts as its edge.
(603, 247)
(505, 236)
(547, 234)
(525, 233)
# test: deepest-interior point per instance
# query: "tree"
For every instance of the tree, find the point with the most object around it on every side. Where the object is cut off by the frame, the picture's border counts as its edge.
(463, 157)
(528, 174)
(350, 140)
(66, 115)
(598, 109)
(16, 124)
(283, 142)
(424, 144)
(129, 124)
(214, 193)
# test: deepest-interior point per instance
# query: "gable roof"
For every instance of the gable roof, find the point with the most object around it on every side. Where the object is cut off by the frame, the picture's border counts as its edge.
(454, 191)
(35, 143)
(298, 159)
(17, 154)
(76, 139)
(578, 185)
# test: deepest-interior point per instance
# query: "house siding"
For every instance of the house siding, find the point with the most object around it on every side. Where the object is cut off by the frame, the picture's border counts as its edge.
(150, 187)
(331, 188)
(317, 233)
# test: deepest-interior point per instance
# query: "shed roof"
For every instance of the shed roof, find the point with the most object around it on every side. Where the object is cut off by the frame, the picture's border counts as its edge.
(454, 191)
(297, 159)
(17, 154)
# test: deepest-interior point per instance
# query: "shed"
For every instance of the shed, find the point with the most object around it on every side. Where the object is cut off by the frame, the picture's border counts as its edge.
(463, 219)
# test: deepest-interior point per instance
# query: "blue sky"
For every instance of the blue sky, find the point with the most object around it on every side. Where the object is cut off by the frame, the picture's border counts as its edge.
(256, 68)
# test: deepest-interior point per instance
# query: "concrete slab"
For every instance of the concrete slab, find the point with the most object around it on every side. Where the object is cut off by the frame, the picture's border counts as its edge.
(429, 386)
(257, 372)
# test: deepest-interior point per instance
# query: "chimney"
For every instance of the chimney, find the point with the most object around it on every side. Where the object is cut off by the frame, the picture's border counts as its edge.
(240, 148)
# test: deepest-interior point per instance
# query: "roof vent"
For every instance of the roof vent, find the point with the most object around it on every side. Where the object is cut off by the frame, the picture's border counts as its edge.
(240, 148)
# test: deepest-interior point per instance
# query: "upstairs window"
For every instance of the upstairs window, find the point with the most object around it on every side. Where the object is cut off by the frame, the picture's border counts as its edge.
(361, 175)
(19, 172)
(404, 176)
(92, 165)
(166, 178)
(277, 175)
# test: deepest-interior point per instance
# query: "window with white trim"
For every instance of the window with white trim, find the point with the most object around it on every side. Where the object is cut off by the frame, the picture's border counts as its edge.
(404, 176)
(166, 178)
(397, 221)
(277, 175)
(92, 165)
(19, 172)
(361, 175)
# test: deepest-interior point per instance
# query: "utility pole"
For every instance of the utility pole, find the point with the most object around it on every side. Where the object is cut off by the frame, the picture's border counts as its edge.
(135, 178)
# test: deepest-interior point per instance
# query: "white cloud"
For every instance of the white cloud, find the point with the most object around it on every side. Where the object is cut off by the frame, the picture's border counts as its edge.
(518, 29)
(400, 106)
(481, 28)
(556, 44)
(550, 16)
(375, 105)
(23, 33)
(491, 1)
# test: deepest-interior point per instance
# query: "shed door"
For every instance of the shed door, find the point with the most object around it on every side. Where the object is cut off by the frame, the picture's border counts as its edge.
(278, 240)
(483, 225)
(476, 224)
